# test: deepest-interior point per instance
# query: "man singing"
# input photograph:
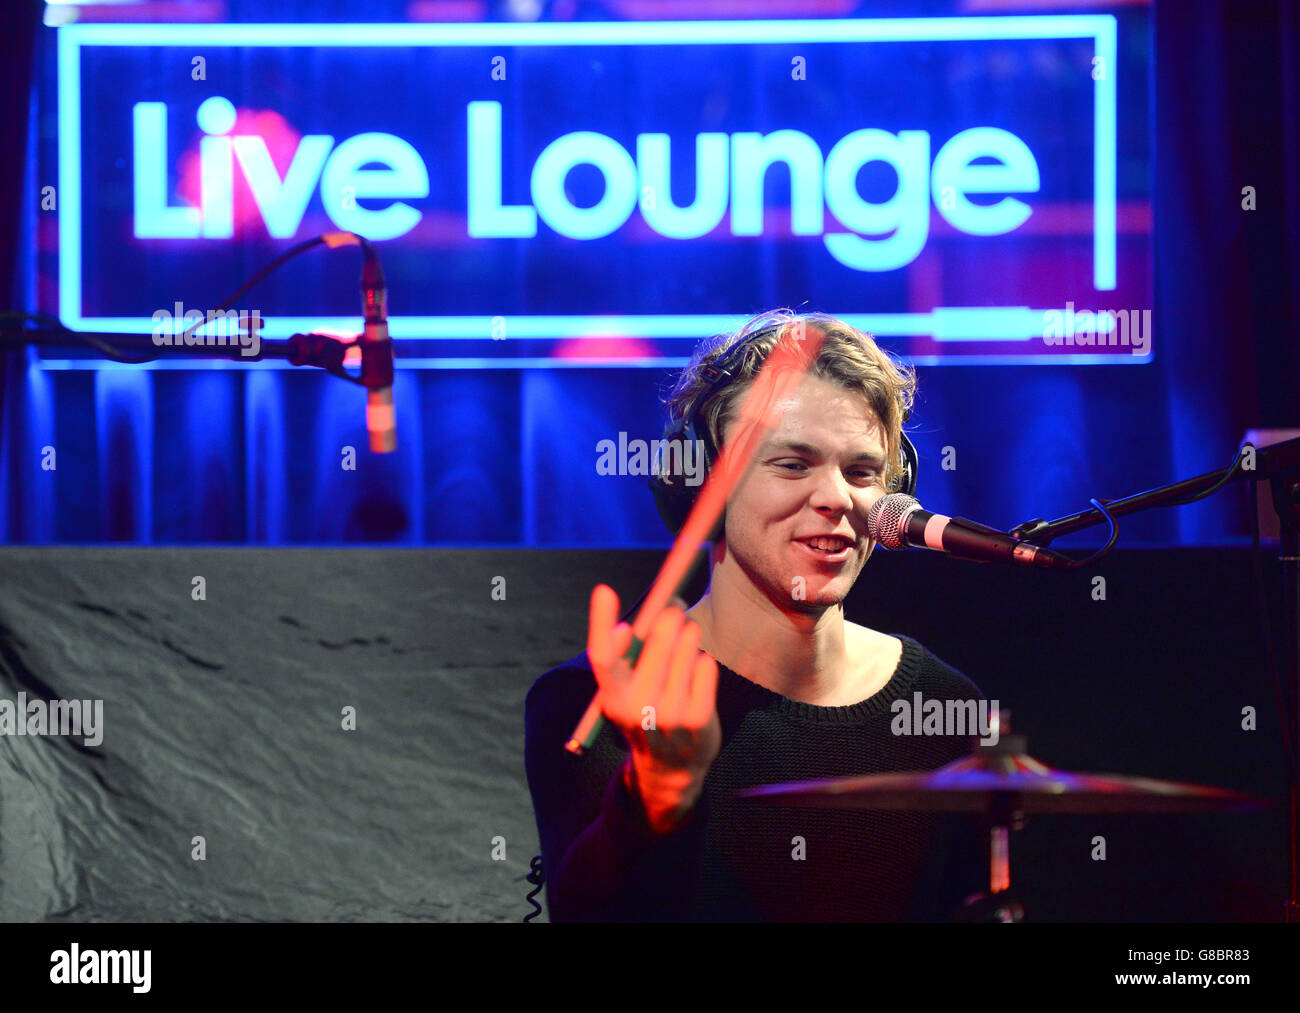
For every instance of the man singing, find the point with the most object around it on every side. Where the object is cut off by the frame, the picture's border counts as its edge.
(762, 681)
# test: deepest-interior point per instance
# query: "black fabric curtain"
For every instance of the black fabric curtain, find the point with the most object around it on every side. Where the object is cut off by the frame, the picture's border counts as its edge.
(1227, 104)
(19, 28)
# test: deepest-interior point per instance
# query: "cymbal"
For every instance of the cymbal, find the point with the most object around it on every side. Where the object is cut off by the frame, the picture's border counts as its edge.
(1015, 781)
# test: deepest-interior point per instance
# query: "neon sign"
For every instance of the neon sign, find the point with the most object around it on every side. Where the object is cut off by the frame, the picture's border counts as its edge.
(508, 184)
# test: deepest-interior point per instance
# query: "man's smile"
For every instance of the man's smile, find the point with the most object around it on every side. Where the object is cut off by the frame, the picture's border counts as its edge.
(827, 548)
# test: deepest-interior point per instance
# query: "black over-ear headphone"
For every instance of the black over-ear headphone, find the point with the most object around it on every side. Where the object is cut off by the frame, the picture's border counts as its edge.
(674, 497)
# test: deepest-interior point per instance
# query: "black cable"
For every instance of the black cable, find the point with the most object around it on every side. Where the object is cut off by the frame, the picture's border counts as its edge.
(265, 272)
(90, 339)
(269, 269)
(1284, 706)
(1100, 506)
(1284, 710)
(1223, 480)
(537, 877)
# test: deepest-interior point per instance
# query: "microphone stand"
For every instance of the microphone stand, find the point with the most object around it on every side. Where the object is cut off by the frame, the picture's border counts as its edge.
(1280, 465)
(322, 350)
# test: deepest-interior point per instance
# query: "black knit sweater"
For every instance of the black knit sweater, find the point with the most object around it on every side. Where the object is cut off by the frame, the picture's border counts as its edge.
(737, 860)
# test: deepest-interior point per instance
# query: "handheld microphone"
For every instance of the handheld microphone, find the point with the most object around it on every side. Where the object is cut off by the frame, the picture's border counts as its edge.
(377, 357)
(897, 520)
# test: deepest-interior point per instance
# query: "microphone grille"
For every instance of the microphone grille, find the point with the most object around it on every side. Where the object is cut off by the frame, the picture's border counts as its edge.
(885, 520)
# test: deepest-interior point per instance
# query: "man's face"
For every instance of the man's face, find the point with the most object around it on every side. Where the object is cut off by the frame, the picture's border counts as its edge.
(817, 473)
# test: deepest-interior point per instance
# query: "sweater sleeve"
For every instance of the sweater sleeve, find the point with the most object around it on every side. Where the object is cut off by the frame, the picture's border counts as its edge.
(601, 859)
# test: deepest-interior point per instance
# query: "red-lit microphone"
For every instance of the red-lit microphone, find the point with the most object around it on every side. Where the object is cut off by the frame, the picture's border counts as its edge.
(377, 356)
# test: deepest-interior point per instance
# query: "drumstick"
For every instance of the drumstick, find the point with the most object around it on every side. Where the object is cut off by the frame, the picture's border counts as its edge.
(781, 373)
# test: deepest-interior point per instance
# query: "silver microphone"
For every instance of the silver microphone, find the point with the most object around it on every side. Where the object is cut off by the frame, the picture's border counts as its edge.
(897, 520)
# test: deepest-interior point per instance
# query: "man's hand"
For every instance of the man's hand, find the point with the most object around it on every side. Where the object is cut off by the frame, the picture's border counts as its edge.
(665, 706)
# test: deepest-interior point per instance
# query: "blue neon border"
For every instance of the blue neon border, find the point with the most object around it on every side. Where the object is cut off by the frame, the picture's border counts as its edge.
(944, 323)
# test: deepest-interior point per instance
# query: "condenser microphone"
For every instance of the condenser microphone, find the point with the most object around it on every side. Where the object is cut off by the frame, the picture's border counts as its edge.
(897, 520)
(377, 357)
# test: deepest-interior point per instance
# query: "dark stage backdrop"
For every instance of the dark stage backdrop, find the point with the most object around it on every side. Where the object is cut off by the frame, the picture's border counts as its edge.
(222, 720)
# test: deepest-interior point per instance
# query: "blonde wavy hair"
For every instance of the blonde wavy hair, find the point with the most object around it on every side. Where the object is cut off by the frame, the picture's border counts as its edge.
(848, 357)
